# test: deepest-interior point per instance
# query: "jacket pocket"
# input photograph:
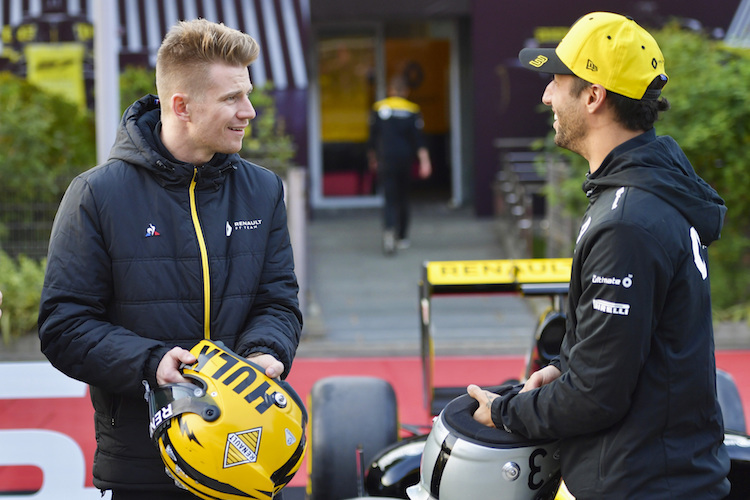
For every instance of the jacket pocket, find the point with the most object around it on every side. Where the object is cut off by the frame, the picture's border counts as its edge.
(113, 412)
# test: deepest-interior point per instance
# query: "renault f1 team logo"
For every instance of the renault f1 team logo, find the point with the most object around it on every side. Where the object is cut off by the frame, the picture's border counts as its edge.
(240, 225)
(242, 447)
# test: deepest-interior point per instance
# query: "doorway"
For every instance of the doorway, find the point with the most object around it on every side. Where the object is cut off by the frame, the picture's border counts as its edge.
(353, 64)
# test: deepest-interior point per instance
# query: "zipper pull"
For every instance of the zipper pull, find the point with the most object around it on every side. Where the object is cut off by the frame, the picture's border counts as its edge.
(166, 168)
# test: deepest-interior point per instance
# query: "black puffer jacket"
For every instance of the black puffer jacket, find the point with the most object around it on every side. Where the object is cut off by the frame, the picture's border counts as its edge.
(636, 405)
(143, 249)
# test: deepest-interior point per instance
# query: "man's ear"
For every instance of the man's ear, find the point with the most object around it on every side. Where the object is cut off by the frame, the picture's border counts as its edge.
(179, 105)
(595, 97)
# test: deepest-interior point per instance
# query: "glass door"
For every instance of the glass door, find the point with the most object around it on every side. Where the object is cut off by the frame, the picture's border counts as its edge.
(422, 57)
(346, 83)
(353, 65)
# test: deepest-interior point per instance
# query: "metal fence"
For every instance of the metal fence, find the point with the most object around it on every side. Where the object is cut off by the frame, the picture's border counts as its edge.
(25, 228)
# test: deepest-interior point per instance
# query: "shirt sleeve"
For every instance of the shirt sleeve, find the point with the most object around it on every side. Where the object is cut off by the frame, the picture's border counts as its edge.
(75, 332)
(623, 275)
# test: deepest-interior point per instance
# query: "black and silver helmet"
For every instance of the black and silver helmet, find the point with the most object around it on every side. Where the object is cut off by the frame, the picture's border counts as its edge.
(465, 459)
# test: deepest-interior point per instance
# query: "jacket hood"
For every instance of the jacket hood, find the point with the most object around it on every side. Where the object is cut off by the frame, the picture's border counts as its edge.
(138, 143)
(658, 165)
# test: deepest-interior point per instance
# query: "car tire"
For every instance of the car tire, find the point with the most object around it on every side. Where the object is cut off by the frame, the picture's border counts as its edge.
(730, 402)
(347, 413)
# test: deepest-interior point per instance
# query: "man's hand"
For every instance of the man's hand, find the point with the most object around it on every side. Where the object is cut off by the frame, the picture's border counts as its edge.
(168, 371)
(425, 165)
(483, 415)
(273, 367)
(541, 377)
(372, 161)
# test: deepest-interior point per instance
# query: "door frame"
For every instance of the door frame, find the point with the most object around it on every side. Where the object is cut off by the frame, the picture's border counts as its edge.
(315, 149)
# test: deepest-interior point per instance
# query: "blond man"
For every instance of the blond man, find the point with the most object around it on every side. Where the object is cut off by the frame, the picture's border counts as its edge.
(174, 239)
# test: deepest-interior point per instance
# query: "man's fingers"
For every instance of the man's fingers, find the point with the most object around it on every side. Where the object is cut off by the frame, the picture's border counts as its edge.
(168, 371)
(534, 382)
(186, 357)
(483, 415)
(272, 367)
(474, 391)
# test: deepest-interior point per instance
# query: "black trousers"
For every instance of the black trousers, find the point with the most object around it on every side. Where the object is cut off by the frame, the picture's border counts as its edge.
(396, 180)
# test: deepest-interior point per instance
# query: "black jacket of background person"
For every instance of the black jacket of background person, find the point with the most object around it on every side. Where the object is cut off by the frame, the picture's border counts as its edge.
(395, 132)
(636, 405)
(125, 280)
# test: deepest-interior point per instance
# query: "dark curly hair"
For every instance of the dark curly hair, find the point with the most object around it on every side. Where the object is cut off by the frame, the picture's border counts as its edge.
(633, 114)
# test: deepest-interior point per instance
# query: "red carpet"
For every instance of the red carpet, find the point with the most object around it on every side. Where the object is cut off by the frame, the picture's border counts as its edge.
(72, 416)
(405, 375)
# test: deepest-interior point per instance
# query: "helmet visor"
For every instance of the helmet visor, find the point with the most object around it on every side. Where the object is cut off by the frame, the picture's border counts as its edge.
(168, 401)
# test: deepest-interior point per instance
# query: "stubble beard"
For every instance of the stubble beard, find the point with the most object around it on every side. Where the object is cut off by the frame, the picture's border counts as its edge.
(571, 132)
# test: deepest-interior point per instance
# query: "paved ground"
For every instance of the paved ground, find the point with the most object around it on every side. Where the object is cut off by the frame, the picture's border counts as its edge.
(361, 302)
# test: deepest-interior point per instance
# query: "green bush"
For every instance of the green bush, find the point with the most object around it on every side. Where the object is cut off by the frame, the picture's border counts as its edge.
(135, 82)
(266, 141)
(21, 281)
(44, 142)
(709, 89)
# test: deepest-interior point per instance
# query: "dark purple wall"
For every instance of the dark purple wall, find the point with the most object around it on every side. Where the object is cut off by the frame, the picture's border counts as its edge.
(507, 96)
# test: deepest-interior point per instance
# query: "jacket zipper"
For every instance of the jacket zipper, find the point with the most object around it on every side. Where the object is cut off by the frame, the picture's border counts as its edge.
(204, 258)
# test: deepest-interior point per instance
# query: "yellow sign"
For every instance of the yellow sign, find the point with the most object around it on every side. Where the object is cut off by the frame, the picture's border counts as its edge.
(550, 34)
(346, 65)
(492, 272)
(57, 68)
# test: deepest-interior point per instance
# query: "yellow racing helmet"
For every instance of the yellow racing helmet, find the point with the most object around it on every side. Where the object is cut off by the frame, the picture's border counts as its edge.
(232, 432)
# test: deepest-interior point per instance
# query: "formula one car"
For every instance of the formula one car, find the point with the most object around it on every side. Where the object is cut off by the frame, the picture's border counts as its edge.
(360, 453)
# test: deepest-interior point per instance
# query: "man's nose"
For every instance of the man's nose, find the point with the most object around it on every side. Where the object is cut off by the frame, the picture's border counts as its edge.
(248, 110)
(547, 96)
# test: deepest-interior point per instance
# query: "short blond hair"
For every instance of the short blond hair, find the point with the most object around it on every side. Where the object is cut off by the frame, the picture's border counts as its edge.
(191, 47)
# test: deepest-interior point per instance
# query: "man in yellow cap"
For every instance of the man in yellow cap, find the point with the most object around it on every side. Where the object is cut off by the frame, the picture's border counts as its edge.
(633, 396)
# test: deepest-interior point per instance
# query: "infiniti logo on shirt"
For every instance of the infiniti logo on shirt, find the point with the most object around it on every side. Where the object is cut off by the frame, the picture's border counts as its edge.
(241, 225)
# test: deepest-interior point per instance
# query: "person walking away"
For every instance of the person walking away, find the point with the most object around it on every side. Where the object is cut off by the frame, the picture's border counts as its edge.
(396, 142)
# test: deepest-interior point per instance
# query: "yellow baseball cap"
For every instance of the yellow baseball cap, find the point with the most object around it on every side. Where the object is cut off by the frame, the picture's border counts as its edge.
(607, 49)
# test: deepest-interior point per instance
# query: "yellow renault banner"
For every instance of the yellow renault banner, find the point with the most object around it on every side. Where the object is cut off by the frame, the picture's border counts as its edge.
(57, 68)
(493, 272)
